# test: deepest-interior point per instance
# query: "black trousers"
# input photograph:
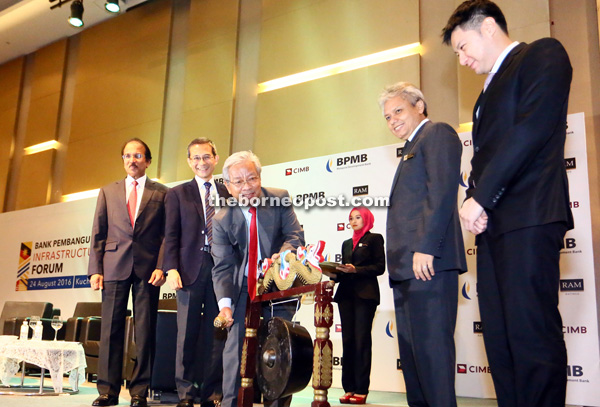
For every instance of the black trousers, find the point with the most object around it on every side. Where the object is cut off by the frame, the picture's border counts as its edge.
(199, 357)
(425, 320)
(115, 296)
(232, 354)
(518, 277)
(357, 316)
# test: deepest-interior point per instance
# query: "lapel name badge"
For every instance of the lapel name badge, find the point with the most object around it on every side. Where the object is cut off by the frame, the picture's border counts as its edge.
(408, 156)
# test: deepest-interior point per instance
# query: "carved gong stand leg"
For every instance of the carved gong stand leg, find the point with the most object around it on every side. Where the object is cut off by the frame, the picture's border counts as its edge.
(322, 348)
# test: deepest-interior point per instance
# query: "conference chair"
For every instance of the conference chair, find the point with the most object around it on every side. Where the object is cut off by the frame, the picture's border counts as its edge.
(82, 311)
(89, 336)
(14, 312)
(163, 368)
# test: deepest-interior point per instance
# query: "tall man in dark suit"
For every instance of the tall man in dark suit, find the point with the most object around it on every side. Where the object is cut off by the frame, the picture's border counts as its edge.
(190, 208)
(127, 237)
(277, 230)
(425, 251)
(518, 201)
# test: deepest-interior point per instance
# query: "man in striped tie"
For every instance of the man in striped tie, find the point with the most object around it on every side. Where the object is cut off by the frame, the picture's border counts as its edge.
(190, 208)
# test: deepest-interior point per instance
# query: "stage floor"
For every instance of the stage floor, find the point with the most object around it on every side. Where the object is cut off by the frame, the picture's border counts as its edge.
(87, 394)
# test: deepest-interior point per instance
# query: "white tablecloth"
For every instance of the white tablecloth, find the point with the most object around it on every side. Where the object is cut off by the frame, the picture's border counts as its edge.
(58, 357)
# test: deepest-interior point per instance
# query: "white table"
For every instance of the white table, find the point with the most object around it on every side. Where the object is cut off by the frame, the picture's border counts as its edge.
(58, 357)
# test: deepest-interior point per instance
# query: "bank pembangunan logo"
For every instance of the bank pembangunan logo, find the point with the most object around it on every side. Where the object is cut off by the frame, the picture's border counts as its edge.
(389, 328)
(349, 161)
(464, 178)
(465, 290)
(24, 266)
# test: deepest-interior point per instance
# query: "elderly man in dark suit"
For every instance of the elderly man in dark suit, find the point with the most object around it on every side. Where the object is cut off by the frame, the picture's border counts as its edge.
(518, 201)
(425, 251)
(255, 220)
(127, 236)
(190, 209)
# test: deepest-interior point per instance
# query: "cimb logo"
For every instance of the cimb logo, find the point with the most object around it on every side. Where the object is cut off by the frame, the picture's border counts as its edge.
(571, 285)
(463, 368)
(341, 227)
(361, 190)
(477, 327)
(575, 330)
(570, 163)
(290, 171)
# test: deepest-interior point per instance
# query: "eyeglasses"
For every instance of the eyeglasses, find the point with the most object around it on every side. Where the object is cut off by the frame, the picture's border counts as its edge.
(205, 158)
(250, 181)
(137, 156)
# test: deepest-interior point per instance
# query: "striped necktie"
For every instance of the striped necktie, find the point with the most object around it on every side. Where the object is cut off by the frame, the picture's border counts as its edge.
(209, 212)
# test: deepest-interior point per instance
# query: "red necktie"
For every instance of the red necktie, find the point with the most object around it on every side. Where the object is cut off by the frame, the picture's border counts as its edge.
(252, 255)
(132, 203)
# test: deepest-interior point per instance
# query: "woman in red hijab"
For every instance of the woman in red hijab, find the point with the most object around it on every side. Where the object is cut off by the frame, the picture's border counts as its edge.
(357, 295)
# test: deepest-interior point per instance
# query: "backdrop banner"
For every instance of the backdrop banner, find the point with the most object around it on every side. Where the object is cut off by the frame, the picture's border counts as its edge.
(44, 253)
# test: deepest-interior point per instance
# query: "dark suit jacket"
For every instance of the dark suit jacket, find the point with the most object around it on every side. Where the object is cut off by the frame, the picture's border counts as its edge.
(185, 230)
(422, 214)
(518, 172)
(369, 260)
(278, 230)
(117, 248)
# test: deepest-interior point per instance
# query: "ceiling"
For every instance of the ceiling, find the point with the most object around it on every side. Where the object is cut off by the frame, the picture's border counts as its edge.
(28, 25)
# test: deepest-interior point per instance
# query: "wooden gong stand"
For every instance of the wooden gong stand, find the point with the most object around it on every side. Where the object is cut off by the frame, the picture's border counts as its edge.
(322, 347)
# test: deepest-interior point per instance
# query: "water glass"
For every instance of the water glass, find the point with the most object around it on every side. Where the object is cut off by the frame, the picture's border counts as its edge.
(56, 324)
(33, 321)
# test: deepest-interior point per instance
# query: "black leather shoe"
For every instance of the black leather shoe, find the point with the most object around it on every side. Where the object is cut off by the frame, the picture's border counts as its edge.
(138, 401)
(185, 403)
(106, 400)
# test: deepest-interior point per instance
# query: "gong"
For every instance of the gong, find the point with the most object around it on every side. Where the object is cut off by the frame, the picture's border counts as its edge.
(285, 356)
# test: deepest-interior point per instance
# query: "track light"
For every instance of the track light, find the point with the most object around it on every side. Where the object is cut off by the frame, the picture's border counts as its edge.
(76, 19)
(112, 6)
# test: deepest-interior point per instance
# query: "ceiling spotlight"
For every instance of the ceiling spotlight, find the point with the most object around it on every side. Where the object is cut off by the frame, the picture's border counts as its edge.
(76, 19)
(112, 6)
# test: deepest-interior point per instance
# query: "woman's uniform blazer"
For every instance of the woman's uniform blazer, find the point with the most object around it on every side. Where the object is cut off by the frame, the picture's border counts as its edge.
(369, 260)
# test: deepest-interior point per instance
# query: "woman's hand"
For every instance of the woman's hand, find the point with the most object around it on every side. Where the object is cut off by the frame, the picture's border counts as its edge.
(346, 268)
